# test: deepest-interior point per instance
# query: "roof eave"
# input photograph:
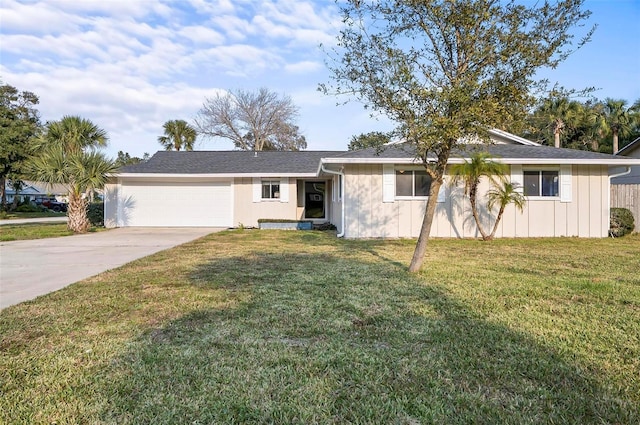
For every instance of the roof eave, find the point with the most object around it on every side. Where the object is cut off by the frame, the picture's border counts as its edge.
(459, 160)
(210, 175)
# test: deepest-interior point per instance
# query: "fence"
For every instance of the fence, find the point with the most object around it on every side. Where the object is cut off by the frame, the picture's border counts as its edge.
(627, 196)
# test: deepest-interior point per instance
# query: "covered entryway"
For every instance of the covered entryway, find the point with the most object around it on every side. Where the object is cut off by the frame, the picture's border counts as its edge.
(175, 204)
(315, 200)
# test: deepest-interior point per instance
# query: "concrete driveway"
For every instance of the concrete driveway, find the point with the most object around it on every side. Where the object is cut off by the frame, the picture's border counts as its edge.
(32, 268)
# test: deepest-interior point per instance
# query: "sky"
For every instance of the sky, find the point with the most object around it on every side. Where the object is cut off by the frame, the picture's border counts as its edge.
(131, 65)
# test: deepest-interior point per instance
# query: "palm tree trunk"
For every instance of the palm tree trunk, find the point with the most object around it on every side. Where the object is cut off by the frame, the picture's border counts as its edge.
(77, 212)
(474, 210)
(495, 226)
(615, 141)
(556, 139)
(425, 230)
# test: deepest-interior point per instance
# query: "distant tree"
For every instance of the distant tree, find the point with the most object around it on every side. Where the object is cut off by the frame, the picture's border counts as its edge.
(619, 119)
(178, 135)
(471, 172)
(446, 71)
(560, 116)
(257, 121)
(69, 155)
(374, 139)
(19, 123)
(125, 159)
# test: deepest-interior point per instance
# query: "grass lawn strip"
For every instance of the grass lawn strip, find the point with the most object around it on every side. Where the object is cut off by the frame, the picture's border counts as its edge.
(16, 232)
(300, 327)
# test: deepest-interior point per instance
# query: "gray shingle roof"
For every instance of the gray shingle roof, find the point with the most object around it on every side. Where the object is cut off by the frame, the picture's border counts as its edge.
(497, 150)
(231, 162)
(307, 162)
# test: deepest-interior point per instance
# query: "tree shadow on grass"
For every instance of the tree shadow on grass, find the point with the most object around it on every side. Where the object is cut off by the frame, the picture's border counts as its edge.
(333, 339)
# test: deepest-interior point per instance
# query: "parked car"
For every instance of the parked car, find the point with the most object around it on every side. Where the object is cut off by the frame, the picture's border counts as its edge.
(52, 204)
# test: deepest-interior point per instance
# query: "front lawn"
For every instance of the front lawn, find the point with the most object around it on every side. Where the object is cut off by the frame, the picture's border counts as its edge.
(16, 232)
(20, 215)
(300, 327)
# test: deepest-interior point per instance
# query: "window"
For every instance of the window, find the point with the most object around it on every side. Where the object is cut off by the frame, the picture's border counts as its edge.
(541, 183)
(270, 189)
(412, 183)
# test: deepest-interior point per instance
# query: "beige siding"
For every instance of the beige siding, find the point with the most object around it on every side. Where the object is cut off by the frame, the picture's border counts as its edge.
(367, 216)
(247, 212)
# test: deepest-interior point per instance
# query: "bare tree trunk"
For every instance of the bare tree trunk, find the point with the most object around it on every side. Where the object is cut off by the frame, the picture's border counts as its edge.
(425, 230)
(77, 212)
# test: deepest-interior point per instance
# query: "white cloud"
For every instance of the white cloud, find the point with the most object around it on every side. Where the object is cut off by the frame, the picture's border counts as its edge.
(130, 65)
(303, 67)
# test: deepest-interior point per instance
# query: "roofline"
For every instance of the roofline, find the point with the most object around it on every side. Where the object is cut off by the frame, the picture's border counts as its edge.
(211, 175)
(458, 160)
(629, 146)
(513, 137)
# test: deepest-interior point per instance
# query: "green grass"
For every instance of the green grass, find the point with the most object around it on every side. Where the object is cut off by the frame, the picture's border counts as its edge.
(21, 215)
(300, 327)
(16, 232)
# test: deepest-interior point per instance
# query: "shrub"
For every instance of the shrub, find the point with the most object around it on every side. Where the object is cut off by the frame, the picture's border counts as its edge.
(621, 222)
(95, 214)
(28, 208)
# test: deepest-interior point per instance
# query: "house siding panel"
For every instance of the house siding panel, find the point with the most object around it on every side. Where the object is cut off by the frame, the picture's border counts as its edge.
(368, 216)
(247, 212)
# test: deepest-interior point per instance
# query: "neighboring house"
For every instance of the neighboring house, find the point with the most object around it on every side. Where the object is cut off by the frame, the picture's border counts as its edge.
(38, 190)
(28, 190)
(364, 193)
(58, 191)
(625, 190)
(632, 150)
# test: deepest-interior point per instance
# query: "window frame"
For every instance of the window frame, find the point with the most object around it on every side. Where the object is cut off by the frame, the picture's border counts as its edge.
(413, 171)
(540, 171)
(271, 183)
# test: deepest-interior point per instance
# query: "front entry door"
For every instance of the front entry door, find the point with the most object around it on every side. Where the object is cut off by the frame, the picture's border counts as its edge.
(314, 200)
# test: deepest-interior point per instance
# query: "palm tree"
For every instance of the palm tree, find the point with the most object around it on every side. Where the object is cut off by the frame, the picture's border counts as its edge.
(619, 118)
(503, 195)
(471, 172)
(75, 134)
(560, 114)
(178, 134)
(68, 156)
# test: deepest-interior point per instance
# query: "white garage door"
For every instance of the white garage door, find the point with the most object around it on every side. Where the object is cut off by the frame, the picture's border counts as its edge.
(176, 204)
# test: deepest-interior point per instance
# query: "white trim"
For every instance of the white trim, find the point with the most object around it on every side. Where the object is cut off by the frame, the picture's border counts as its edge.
(388, 183)
(513, 137)
(565, 187)
(284, 190)
(517, 178)
(257, 189)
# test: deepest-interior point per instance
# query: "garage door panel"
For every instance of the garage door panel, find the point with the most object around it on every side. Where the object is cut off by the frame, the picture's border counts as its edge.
(177, 204)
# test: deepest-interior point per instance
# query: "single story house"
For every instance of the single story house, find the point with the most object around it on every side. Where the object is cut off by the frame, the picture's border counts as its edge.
(28, 190)
(364, 193)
